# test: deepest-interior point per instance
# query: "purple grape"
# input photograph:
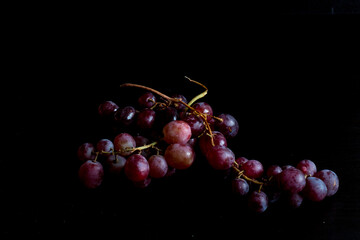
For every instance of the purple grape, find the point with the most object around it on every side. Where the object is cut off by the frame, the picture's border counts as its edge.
(105, 145)
(158, 166)
(147, 100)
(196, 124)
(86, 151)
(294, 200)
(91, 174)
(229, 126)
(253, 169)
(142, 141)
(107, 109)
(124, 143)
(205, 142)
(125, 116)
(180, 106)
(204, 108)
(220, 157)
(241, 160)
(136, 168)
(330, 179)
(177, 132)
(308, 167)
(115, 163)
(179, 156)
(273, 170)
(145, 118)
(258, 201)
(240, 186)
(166, 115)
(315, 189)
(292, 180)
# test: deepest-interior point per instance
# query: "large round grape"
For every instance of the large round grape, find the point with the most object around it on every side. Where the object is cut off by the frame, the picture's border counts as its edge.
(253, 169)
(179, 156)
(158, 166)
(308, 167)
(315, 189)
(220, 157)
(330, 179)
(124, 143)
(177, 132)
(258, 201)
(292, 180)
(137, 168)
(91, 174)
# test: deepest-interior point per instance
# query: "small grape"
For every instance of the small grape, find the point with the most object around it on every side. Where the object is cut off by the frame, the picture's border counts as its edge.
(315, 189)
(137, 168)
(124, 143)
(204, 108)
(147, 100)
(229, 126)
(91, 174)
(115, 163)
(205, 142)
(258, 201)
(253, 169)
(105, 145)
(179, 156)
(125, 116)
(158, 166)
(107, 108)
(241, 160)
(180, 106)
(240, 186)
(273, 170)
(294, 200)
(145, 118)
(220, 157)
(308, 167)
(177, 132)
(330, 179)
(86, 151)
(292, 180)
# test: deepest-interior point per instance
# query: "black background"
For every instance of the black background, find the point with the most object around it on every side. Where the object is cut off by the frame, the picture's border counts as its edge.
(292, 83)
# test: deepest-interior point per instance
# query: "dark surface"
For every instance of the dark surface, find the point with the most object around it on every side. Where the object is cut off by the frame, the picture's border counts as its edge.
(294, 93)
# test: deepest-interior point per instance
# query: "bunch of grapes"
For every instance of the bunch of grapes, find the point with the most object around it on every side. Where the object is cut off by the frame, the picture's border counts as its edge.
(166, 133)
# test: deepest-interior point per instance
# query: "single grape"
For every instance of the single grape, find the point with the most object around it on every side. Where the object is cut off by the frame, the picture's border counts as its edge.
(273, 170)
(137, 168)
(253, 169)
(205, 142)
(115, 163)
(240, 186)
(258, 201)
(287, 167)
(292, 180)
(125, 116)
(145, 118)
(330, 179)
(315, 189)
(107, 108)
(294, 200)
(179, 156)
(177, 132)
(220, 157)
(124, 143)
(179, 106)
(147, 100)
(241, 160)
(166, 115)
(91, 174)
(195, 122)
(105, 145)
(158, 166)
(308, 167)
(204, 108)
(142, 141)
(229, 126)
(86, 151)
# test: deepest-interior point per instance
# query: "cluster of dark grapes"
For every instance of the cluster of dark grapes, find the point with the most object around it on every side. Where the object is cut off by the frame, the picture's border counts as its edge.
(169, 130)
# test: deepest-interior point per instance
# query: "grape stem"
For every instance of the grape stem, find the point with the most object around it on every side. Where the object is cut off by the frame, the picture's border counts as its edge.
(235, 166)
(170, 99)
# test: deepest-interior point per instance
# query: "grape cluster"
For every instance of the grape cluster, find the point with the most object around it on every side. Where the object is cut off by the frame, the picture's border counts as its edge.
(170, 132)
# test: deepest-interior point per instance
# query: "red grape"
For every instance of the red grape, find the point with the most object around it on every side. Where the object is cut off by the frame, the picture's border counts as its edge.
(253, 169)
(229, 126)
(180, 106)
(205, 142)
(115, 163)
(220, 157)
(273, 170)
(240, 186)
(179, 156)
(137, 168)
(295, 200)
(205, 108)
(158, 166)
(308, 167)
(125, 116)
(107, 108)
(147, 100)
(91, 174)
(258, 201)
(315, 189)
(196, 124)
(123, 144)
(241, 160)
(177, 132)
(86, 151)
(330, 179)
(105, 145)
(145, 118)
(292, 180)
